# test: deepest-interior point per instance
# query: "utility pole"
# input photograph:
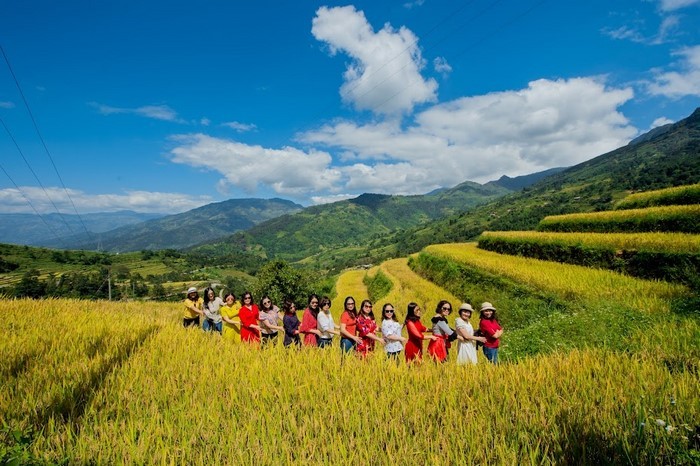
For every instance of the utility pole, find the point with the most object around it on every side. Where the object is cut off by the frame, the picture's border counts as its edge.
(109, 284)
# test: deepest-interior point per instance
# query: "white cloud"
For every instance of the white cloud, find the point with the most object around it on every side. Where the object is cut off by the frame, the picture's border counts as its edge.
(684, 82)
(548, 124)
(205, 122)
(7, 105)
(441, 66)
(331, 198)
(240, 127)
(156, 112)
(14, 201)
(288, 171)
(673, 5)
(661, 121)
(384, 74)
(413, 4)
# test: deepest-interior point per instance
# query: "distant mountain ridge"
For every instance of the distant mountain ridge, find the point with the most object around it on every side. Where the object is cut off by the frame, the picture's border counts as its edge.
(31, 229)
(188, 228)
(520, 182)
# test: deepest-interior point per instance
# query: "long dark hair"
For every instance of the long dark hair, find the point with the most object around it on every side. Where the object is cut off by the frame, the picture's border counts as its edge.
(231, 295)
(393, 316)
(411, 313)
(287, 306)
(206, 296)
(247, 293)
(353, 311)
(318, 308)
(371, 313)
(262, 306)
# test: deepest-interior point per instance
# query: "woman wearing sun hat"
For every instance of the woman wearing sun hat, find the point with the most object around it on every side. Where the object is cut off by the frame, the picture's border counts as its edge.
(193, 308)
(492, 330)
(466, 346)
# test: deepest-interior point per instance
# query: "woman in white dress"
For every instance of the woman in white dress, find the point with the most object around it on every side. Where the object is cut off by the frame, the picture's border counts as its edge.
(466, 345)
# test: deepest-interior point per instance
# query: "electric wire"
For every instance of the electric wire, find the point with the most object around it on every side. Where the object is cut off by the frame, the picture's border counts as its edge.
(49, 227)
(41, 138)
(36, 177)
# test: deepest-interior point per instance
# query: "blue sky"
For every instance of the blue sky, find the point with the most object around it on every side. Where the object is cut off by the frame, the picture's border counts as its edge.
(166, 106)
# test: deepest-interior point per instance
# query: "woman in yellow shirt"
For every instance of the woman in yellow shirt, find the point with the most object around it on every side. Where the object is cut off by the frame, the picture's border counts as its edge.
(193, 308)
(229, 315)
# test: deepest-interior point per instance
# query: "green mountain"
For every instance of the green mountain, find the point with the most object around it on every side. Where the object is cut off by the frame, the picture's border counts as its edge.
(669, 157)
(349, 224)
(521, 182)
(183, 230)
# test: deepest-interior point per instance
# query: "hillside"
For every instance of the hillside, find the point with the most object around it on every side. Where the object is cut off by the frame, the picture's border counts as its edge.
(351, 223)
(188, 228)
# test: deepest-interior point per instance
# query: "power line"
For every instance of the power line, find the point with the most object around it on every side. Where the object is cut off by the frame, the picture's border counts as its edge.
(46, 149)
(14, 141)
(58, 238)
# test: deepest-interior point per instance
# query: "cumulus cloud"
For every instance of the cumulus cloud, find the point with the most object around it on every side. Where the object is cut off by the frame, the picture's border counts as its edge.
(13, 200)
(384, 75)
(288, 171)
(156, 112)
(683, 82)
(549, 123)
(240, 127)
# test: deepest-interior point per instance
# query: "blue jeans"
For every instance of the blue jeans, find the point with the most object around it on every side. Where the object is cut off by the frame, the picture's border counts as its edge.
(347, 345)
(323, 342)
(209, 325)
(491, 354)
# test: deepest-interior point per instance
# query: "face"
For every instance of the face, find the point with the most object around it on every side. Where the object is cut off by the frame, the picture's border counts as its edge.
(192, 295)
(417, 311)
(292, 308)
(465, 315)
(445, 309)
(350, 304)
(229, 300)
(211, 294)
(248, 299)
(267, 303)
(367, 308)
(488, 313)
(313, 304)
(389, 312)
(326, 307)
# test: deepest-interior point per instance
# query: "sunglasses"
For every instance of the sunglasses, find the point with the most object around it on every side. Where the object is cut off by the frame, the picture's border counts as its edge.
(388, 311)
(445, 308)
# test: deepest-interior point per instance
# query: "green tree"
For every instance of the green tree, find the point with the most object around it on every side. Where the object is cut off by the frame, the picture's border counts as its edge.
(280, 280)
(30, 286)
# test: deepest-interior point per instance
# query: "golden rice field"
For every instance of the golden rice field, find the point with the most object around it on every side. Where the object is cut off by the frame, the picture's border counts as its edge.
(681, 217)
(410, 287)
(123, 383)
(568, 281)
(349, 283)
(688, 194)
(654, 242)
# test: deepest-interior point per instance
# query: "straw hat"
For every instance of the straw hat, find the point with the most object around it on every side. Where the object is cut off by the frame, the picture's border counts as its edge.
(191, 289)
(486, 306)
(466, 307)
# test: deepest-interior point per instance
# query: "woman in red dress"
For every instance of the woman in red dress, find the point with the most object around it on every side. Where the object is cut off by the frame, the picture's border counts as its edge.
(366, 329)
(415, 329)
(309, 323)
(248, 315)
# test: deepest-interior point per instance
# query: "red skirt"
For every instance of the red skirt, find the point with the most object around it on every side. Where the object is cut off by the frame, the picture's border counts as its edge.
(437, 349)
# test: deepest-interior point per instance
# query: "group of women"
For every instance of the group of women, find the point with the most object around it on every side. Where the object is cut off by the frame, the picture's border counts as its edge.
(358, 331)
